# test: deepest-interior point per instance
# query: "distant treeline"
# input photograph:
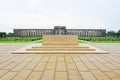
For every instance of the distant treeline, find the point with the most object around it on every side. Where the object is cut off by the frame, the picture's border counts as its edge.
(113, 33)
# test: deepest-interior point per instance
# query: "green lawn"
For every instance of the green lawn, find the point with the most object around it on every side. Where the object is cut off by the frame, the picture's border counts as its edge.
(81, 41)
(105, 41)
(15, 41)
(38, 41)
(19, 39)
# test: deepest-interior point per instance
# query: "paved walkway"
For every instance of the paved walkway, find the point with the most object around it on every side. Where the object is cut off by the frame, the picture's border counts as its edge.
(111, 47)
(8, 47)
(59, 66)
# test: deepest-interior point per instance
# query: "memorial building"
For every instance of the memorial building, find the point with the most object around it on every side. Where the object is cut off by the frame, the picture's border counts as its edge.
(59, 30)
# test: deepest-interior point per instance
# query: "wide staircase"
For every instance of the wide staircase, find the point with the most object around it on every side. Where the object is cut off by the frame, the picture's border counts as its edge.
(60, 44)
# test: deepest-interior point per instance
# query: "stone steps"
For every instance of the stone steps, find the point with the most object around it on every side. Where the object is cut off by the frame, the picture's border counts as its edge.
(60, 52)
(62, 44)
(60, 49)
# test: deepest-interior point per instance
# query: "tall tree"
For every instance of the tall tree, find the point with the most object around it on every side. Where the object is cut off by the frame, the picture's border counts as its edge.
(10, 34)
(118, 34)
(2, 34)
(111, 33)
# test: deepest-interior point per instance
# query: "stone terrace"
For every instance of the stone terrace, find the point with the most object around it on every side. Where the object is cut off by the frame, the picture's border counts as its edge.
(59, 66)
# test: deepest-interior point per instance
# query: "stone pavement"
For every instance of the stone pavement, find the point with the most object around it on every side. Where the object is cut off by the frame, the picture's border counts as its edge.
(111, 47)
(8, 47)
(59, 66)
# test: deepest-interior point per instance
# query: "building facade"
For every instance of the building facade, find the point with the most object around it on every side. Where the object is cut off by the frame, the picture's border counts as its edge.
(59, 30)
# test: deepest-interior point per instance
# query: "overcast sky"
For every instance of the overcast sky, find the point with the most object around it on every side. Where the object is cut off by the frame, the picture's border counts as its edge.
(82, 14)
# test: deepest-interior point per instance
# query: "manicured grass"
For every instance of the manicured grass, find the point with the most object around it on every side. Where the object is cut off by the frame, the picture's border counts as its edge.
(15, 41)
(81, 41)
(38, 41)
(105, 41)
(97, 39)
(19, 39)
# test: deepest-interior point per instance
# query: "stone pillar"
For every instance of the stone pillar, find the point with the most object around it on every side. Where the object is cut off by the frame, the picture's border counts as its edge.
(85, 32)
(27, 33)
(22, 33)
(93, 33)
(39, 33)
(30, 33)
(42, 32)
(33, 32)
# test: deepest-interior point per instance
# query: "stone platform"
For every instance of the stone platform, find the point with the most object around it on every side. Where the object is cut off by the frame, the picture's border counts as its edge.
(60, 44)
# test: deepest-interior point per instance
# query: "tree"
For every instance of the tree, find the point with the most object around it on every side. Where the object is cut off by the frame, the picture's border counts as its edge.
(2, 34)
(10, 34)
(111, 33)
(118, 34)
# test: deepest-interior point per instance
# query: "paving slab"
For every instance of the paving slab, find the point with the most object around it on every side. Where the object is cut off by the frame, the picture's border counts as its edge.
(59, 66)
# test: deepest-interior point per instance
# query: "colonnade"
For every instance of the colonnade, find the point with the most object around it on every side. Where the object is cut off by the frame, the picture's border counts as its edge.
(87, 32)
(40, 32)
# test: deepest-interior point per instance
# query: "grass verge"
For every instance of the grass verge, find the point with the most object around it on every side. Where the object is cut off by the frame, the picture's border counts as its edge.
(15, 41)
(81, 41)
(38, 41)
(105, 41)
